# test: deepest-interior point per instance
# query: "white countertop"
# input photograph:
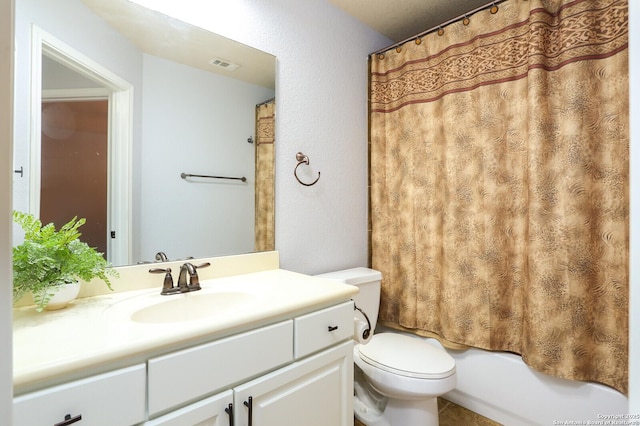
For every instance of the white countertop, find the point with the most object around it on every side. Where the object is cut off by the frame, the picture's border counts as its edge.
(95, 334)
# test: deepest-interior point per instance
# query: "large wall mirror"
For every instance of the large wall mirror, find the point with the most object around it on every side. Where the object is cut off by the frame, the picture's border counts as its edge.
(160, 133)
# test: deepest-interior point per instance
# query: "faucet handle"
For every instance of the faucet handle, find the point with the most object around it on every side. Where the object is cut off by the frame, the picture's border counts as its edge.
(194, 280)
(167, 284)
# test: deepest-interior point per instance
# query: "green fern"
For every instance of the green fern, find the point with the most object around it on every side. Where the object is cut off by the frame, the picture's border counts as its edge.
(48, 258)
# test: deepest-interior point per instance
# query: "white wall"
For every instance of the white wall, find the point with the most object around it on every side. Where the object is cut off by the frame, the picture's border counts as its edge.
(6, 176)
(196, 122)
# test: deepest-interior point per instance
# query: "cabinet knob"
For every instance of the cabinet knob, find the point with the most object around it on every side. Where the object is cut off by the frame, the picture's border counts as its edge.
(69, 420)
(333, 328)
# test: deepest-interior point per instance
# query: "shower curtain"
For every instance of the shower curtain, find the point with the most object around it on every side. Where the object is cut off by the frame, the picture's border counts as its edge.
(499, 185)
(264, 201)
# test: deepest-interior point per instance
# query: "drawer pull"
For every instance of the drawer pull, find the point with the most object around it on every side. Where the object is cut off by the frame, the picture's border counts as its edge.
(69, 420)
(333, 328)
(249, 405)
(229, 411)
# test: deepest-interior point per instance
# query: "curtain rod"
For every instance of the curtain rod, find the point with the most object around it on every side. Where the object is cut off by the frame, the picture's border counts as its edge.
(266, 102)
(464, 15)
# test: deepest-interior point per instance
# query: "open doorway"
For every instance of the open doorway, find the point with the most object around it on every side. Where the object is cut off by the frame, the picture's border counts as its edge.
(113, 158)
(74, 166)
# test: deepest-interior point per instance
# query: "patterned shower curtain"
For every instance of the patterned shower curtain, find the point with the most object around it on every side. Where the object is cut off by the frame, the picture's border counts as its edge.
(265, 140)
(500, 185)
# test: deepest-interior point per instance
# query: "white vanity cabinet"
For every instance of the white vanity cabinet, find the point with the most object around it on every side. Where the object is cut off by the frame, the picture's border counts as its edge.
(317, 391)
(189, 374)
(113, 398)
(296, 370)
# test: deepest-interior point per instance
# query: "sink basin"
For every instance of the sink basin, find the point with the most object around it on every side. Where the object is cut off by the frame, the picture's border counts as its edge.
(192, 307)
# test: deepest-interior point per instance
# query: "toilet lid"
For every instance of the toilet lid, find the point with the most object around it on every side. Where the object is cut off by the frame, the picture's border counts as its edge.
(407, 356)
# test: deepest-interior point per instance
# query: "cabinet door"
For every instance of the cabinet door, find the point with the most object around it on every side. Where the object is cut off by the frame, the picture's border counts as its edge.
(317, 391)
(114, 398)
(208, 412)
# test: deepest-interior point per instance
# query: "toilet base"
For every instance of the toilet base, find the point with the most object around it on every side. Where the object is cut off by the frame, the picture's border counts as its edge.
(399, 412)
(423, 412)
(373, 408)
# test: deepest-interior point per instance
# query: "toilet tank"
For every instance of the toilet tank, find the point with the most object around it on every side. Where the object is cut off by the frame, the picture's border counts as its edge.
(368, 282)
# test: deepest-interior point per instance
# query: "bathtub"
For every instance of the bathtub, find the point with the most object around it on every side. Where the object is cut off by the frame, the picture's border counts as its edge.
(500, 386)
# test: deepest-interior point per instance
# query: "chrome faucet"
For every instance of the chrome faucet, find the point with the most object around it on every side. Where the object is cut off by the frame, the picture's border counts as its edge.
(193, 283)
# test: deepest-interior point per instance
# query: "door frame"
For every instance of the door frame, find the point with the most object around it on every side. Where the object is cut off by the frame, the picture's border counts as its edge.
(120, 135)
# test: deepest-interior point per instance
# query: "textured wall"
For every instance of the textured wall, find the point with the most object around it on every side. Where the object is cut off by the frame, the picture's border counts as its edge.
(321, 91)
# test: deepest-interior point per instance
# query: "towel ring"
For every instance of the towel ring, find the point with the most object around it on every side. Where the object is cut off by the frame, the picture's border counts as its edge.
(303, 159)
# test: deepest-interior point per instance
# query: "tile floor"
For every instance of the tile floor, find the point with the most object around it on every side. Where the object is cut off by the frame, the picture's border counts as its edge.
(454, 415)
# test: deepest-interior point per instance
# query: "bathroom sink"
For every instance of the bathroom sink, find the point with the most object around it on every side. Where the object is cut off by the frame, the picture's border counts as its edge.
(192, 307)
(148, 307)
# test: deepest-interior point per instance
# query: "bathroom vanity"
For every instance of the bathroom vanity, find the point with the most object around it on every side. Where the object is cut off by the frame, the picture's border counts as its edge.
(263, 348)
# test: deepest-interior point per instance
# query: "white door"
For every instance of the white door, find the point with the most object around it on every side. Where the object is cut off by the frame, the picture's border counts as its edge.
(74, 167)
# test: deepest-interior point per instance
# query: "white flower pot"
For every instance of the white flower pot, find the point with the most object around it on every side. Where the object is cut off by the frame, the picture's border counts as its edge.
(64, 294)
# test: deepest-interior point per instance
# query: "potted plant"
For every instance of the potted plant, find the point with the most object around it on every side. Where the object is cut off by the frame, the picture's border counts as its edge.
(49, 259)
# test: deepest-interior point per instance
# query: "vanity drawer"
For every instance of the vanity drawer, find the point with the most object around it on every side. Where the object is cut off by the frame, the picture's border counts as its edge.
(193, 373)
(321, 329)
(114, 398)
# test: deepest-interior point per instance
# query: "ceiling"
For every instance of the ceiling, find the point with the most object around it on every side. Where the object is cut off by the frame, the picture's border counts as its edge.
(166, 37)
(396, 19)
(402, 19)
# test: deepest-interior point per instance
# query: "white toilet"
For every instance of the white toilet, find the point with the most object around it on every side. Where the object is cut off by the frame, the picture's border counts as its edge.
(399, 377)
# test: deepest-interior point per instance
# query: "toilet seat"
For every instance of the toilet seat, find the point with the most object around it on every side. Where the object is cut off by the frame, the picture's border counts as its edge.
(407, 356)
